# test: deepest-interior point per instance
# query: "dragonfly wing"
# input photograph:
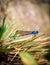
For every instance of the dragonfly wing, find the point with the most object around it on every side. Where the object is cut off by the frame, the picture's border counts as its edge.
(22, 32)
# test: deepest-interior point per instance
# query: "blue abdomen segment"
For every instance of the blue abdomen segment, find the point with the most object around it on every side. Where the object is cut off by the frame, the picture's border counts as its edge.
(12, 36)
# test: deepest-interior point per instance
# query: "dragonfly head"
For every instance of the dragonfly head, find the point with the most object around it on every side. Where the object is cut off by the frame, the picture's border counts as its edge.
(34, 32)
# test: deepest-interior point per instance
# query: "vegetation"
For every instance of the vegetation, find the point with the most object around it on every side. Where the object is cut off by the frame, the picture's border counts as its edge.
(24, 50)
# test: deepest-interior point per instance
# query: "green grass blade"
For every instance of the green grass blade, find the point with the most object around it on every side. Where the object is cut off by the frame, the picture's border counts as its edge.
(6, 34)
(3, 28)
(27, 59)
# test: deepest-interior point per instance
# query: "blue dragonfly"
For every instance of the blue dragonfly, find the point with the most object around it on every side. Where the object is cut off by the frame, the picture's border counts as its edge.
(24, 33)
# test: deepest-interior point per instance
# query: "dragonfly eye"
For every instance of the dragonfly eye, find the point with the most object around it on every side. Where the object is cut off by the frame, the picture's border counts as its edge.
(37, 32)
